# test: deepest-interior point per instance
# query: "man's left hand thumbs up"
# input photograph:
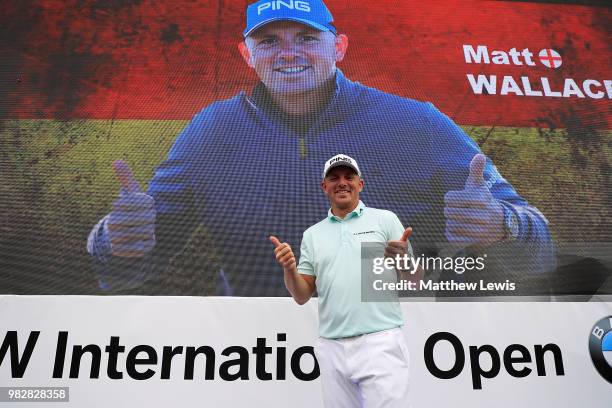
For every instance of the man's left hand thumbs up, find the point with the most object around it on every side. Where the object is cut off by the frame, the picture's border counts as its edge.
(401, 247)
(406, 234)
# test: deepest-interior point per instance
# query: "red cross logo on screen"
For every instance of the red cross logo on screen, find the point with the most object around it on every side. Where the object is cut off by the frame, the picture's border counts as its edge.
(550, 58)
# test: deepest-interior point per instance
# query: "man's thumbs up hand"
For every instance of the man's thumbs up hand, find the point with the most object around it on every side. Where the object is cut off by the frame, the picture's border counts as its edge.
(275, 241)
(406, 234)
(131, 223)
(401, 247)
(284, 254)
(473, 215)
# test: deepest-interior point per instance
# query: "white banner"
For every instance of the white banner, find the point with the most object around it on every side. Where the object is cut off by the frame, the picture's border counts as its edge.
(255, 352)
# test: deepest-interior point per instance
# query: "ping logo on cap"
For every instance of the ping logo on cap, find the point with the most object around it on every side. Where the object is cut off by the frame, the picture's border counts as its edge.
(341, 158)
(279, 4)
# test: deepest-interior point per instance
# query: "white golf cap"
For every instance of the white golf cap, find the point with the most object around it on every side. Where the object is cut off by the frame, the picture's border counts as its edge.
(341, 160)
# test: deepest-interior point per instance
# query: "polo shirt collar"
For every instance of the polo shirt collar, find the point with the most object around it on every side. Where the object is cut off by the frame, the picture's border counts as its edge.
(357, 212)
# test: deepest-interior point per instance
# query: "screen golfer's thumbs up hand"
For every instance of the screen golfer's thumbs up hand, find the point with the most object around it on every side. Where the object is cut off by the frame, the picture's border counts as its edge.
(473, 215)
(284, 254)
(131, 223)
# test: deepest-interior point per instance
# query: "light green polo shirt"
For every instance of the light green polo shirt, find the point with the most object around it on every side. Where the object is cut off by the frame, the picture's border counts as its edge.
(331, 251)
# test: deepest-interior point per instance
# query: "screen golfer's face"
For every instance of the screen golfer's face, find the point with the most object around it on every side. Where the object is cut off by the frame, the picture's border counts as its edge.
(290, 57)
(342, 186)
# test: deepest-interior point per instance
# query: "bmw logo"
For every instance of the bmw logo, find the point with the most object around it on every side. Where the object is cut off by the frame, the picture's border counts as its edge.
(600, 347)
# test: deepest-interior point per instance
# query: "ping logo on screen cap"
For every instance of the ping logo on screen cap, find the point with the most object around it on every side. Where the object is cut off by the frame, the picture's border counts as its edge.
(526, 85)
(278, 4)
(600, 347)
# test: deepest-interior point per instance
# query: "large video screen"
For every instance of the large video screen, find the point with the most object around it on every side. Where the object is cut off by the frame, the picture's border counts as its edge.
(143, 150)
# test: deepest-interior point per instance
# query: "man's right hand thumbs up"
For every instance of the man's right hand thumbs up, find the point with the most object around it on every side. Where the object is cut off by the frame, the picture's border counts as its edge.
(131, 223)
(284, 254)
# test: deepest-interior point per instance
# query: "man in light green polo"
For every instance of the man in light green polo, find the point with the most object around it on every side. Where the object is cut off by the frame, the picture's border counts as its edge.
(361, 351)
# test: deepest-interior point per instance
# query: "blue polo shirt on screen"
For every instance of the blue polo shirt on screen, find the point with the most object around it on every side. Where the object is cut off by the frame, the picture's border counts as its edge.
(244, 170)
(331, 251)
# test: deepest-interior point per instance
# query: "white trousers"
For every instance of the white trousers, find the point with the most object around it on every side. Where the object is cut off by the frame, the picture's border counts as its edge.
(367, 371)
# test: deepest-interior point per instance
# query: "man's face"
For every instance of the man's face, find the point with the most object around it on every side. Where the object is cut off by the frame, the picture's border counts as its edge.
(342, 186)
(290, 57)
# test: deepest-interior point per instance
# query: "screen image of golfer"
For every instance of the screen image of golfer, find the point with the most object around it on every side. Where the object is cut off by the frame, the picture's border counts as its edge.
(87, 84)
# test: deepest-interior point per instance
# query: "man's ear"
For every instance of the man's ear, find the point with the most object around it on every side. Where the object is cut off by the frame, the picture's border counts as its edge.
(246, 54)
(361, 184)
(341, 46)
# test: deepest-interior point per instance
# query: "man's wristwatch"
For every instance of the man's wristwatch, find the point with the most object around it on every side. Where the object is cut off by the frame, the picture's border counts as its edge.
(511, 224)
